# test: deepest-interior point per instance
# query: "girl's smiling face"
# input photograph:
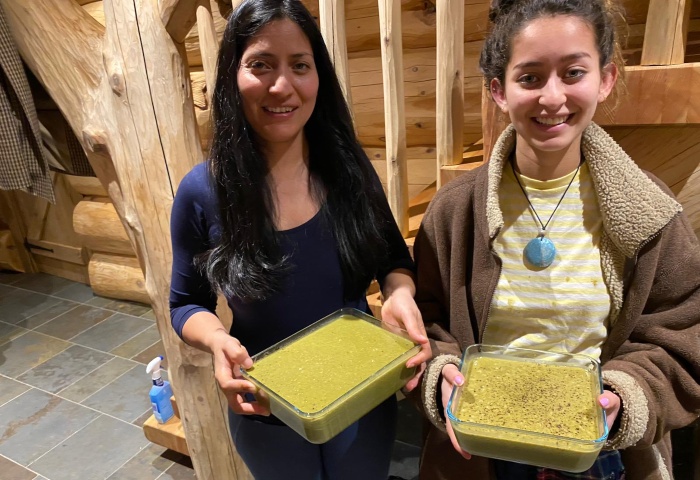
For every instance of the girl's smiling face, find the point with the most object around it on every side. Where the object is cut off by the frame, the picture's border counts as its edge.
(553, 82)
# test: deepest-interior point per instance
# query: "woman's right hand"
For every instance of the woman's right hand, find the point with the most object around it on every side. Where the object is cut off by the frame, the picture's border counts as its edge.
(229, 356)
(451, 377)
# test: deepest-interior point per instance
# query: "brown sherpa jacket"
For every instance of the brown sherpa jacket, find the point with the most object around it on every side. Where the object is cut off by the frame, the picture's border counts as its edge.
(651, 264)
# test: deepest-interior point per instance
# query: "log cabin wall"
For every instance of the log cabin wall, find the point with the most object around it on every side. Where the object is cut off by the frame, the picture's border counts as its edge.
(419, 64)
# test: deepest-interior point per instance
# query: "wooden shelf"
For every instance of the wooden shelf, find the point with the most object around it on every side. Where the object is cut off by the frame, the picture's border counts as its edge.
(169, 434)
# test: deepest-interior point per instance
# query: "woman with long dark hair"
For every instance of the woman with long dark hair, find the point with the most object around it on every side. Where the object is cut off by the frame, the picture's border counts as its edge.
(288, 220)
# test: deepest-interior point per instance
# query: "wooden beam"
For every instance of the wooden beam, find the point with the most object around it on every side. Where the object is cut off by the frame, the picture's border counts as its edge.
(666, 32)
(332, 23)
(395, 124)
(125, 90)
(450, 82)
(667, 95)
(178, 16)
(208, 45)
(10, 215)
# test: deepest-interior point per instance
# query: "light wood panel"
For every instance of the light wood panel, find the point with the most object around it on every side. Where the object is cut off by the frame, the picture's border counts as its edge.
(117, 276)
(666, 32)
(392, 75)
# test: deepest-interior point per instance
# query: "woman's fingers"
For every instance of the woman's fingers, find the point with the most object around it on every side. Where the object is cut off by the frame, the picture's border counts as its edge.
(242, 406)
(611, 404)
(413, 382)
(451, 376)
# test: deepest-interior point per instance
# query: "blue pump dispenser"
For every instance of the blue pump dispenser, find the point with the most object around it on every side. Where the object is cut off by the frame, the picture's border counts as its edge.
(160, 392)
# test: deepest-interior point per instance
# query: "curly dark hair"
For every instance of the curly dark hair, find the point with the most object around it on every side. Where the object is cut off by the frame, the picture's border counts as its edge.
(509, 17)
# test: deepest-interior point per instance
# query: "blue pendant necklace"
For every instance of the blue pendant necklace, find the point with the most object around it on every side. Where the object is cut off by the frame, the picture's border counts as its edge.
(540, 251)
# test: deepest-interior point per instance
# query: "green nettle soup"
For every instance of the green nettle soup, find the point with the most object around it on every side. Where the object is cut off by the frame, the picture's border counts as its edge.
(320, 367)
(537, 397)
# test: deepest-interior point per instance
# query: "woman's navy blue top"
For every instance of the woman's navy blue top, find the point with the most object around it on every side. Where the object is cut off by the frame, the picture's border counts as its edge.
(312, 289)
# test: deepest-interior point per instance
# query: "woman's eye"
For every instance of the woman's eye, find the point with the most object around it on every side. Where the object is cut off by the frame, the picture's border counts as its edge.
(302, 67)
(256, 65)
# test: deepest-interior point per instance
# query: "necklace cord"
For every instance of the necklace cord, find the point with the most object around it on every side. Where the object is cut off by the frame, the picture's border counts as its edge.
(532, 207)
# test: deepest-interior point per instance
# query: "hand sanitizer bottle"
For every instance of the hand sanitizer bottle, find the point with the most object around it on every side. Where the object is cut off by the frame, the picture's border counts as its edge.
(160, 392)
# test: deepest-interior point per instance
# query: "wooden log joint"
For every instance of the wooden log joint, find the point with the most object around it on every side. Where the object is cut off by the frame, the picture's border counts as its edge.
(95, 139)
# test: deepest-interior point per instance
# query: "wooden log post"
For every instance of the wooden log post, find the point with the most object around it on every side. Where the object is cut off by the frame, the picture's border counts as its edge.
(117, 276)
(125, 91)
(98, 224)
(332, 24)
(208, 45)
(450, 83)
(392, 76)
(666, 32)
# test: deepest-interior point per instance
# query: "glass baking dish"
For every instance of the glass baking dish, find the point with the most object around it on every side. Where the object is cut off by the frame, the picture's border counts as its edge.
(327, 376)
(529, 406)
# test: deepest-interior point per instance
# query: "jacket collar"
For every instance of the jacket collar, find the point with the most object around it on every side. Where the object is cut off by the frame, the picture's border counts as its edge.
(632, 206)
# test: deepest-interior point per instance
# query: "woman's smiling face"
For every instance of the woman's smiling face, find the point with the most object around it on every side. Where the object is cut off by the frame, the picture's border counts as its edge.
(278, 82)
(553, 82)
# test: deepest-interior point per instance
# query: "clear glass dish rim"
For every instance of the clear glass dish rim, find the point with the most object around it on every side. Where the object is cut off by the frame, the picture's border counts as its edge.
(497, 428)
(317, 324)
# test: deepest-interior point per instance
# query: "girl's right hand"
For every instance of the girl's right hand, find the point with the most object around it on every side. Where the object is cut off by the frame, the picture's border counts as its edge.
(229, 356)
(451, 377)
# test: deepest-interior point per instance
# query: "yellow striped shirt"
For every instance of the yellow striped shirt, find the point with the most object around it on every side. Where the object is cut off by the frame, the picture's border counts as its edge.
(563, 307)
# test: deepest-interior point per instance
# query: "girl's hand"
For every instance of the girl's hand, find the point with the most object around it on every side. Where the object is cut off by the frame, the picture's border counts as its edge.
(611, 404)
(400, 309)
(451, 376)
(229, 356)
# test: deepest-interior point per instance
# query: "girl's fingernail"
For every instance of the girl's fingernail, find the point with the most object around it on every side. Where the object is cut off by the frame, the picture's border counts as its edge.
(604, 402)
(459, 380)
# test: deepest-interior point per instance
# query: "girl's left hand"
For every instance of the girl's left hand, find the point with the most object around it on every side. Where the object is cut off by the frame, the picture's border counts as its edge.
(401, 309)
(611, 404)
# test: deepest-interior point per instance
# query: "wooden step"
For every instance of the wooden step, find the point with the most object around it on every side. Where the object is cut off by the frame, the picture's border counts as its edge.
(170, 434)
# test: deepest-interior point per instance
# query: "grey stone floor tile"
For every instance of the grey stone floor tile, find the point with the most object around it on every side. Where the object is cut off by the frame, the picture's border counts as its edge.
(9, 389)
(6, 290)
(9, 332)
(137, 344)
(102, 376)
(35, 422)
(148, 464)
(40, 477)
(404, 461)
(64, 369)
(122, 306)
(151, 315)
(95, 452)
(142, 419)
(74, 322)
(78, 292)
(22, 304)
(26, 352)
(150, 353)
(12, 471)
(42, 283)
(180, 471)
(39, 319)
(125, 398)
(112, 332)
(8, 278)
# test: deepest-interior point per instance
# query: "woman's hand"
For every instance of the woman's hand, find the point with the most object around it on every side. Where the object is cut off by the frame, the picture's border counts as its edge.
(611, 404)
(451, 377)
(229, 356)
(400, 309)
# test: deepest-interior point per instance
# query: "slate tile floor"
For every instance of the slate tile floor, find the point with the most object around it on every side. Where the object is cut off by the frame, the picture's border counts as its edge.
(73, 388)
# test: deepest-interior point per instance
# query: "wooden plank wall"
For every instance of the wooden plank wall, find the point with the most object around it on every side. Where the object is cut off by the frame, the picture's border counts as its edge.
(419, 44)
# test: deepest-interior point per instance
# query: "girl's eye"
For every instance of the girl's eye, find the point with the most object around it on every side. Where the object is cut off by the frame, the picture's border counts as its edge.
(527, 79)
(575, 73)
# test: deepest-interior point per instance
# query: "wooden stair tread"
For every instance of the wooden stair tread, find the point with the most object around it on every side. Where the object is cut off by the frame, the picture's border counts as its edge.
(170, 434)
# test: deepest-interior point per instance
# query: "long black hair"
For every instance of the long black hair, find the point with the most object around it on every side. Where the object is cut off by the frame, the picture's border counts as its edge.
(247, 262)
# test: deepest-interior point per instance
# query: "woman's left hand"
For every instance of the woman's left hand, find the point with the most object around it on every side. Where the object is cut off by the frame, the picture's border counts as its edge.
(611, 404)
(400, 309)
